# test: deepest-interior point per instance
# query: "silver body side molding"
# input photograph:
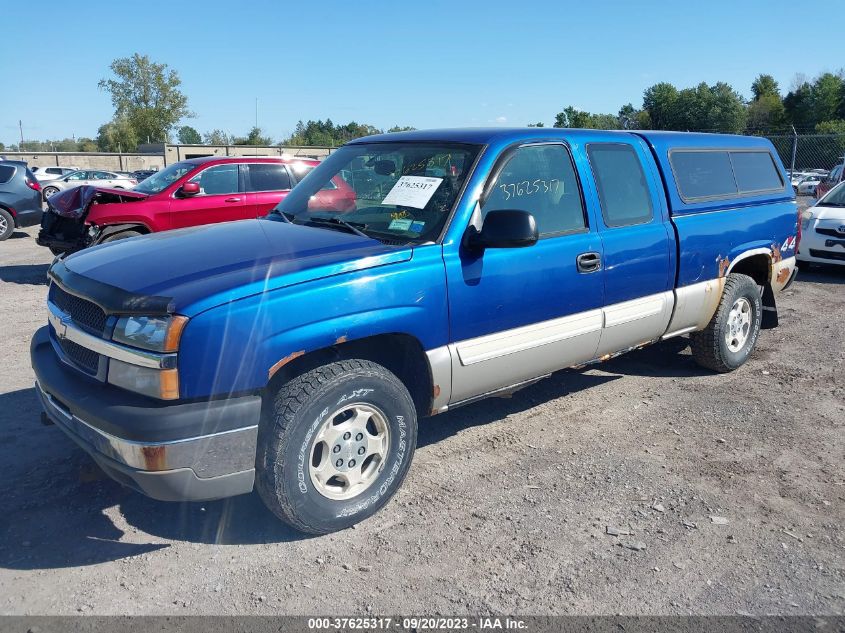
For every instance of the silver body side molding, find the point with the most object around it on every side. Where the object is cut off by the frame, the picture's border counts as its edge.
(468, 370)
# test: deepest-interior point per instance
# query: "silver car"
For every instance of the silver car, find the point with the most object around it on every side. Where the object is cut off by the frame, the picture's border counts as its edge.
(51, 173)
(96, 177)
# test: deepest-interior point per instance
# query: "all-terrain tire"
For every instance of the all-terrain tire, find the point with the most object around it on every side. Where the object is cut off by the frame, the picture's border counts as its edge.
(710, 346)
(300, 412)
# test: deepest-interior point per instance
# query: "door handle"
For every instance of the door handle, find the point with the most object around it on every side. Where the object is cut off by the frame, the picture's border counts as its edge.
(232, 200)
(588, 262)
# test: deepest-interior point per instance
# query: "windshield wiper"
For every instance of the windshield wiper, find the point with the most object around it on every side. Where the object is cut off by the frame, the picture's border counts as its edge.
(283, 214)
(349, 226)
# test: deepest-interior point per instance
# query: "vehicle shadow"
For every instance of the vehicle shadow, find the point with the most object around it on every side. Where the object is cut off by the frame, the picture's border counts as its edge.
(62, 511)
(31, 274)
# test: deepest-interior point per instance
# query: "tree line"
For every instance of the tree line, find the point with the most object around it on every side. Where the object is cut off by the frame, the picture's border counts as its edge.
(810, 107)
(149, 105)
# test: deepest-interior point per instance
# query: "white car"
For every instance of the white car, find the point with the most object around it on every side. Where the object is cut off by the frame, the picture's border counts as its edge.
(823, 230)
(96, 177)
(51, 173)
(807, 185)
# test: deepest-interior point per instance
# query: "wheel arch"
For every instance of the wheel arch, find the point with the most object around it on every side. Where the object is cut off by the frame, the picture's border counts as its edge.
(402, 354)
(111, 229)
(759, 264)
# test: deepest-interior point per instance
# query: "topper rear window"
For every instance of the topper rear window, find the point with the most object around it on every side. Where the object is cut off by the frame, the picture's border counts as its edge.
(714, 173)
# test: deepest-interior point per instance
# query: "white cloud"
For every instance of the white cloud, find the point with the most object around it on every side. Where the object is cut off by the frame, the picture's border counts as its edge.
(501, 119)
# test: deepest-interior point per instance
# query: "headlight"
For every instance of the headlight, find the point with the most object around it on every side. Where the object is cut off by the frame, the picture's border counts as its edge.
(157, 334)
(157, 383)
(806, 218)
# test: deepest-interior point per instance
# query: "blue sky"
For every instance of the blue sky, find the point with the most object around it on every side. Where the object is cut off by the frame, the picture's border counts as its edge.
(427, 64)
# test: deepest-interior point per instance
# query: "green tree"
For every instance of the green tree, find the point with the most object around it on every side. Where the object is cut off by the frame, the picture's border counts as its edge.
(401, 128)
(217, 137)
(254, 138)
(764, 85)
(2, 147)
(628, 117)
(660, 102)
(189, 136)
(326, 133)
(537, 124)
(117, 136)
(84, 144)
(827, 97)
(798, 105)
(574, 118)
(147, 95)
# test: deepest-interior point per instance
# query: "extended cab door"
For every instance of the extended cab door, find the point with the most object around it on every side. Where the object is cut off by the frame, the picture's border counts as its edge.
(266, 185)
(639, 261)
(519, 313)
(220, 199)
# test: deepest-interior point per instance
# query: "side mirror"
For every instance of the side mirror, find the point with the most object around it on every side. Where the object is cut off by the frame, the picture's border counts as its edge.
(189, 189)
(504, 229)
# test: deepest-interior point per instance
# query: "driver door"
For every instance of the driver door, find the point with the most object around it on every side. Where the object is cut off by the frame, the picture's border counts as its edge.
(520, 313)
(221, 199)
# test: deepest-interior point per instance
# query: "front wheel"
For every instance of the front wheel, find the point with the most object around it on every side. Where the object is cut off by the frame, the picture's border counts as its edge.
(728, 340)
(336, 445)
(122, 235)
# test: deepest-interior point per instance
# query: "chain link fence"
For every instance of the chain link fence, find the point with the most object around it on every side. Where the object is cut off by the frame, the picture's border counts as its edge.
(803, 152)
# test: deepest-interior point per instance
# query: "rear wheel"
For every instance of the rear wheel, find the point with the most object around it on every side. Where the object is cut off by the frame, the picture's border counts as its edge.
(7, 225)
(728, 340)
(49, 191)
(336, 445)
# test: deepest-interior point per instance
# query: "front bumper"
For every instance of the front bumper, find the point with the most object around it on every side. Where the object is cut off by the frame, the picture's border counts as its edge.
(172, 452)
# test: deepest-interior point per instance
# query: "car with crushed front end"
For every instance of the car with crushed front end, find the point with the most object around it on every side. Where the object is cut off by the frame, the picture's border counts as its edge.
(188, 193)
(295, 353)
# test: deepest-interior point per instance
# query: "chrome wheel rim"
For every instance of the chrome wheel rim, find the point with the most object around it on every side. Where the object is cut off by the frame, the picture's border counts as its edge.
(49, 191)
(738, 326)
(349, 451)
(4, 225)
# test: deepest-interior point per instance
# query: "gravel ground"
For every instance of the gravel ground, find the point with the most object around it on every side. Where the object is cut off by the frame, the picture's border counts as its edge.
(641, 486)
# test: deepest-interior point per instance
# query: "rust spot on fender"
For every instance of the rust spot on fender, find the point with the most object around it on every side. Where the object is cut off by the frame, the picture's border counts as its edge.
(783, 275)
(341, 339)
(723, 263)
(436, 391)
(284, 362)
(155, 457)
(776, 254)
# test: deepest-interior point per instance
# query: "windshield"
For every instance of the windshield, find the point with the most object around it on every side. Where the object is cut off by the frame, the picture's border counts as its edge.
(391, 191)
(161, 180)
(835, 197)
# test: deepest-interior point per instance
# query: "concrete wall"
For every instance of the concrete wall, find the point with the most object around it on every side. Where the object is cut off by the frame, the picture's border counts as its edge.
(89, 160)
(158, 155)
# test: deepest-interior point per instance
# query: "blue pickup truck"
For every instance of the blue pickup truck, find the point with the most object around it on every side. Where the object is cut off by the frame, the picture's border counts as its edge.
(295, 353)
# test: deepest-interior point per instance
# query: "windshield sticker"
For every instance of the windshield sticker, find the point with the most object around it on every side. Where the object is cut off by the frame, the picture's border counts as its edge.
(412, 191)
(417, 227)
(400, 225)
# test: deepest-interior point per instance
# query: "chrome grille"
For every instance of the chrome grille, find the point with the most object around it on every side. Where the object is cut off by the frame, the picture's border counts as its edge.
(84, 313)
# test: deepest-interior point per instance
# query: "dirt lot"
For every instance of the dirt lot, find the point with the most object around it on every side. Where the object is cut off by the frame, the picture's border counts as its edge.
(731, 486)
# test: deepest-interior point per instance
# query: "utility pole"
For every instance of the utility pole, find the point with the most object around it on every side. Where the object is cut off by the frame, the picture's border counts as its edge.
(20, 127)
(256, 123)
(794, 147)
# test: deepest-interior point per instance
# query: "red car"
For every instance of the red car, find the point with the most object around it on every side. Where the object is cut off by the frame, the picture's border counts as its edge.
(188, 193)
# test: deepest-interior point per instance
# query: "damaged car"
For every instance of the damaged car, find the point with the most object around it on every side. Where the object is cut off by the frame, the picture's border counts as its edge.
(188, 193)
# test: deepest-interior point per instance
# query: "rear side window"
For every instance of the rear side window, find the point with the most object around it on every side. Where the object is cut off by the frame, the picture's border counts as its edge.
(722, 173)
(755, 171)
(6, 173)
(623, 191)
(703, 174)
(268, 177)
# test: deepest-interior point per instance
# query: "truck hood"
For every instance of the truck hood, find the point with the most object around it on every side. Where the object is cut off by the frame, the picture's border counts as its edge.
(74, 203)
(190, 270)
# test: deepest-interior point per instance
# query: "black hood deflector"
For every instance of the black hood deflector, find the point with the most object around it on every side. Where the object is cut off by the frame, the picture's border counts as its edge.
(111, 299)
